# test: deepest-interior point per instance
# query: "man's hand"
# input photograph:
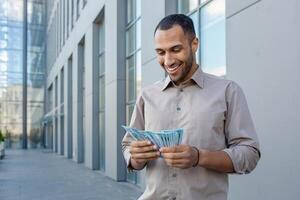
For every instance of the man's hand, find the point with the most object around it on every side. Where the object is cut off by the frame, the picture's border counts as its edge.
(142, 152)
(181, 156)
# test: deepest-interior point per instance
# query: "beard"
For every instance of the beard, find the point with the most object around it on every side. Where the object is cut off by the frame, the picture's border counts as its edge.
(188, 64)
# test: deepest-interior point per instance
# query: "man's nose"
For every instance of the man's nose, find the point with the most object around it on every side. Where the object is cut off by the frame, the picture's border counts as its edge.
(169, 60)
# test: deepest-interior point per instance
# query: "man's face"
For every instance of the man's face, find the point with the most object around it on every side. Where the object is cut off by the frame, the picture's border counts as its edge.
(176, 53)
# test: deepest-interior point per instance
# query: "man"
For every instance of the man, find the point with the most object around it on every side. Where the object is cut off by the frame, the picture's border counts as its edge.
(219, 136)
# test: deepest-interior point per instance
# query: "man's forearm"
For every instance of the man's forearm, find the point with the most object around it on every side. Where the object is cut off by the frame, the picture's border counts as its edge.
(215, 160)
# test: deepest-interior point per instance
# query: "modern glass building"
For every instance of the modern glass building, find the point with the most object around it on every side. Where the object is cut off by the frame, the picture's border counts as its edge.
(88, 60)
(12, 27)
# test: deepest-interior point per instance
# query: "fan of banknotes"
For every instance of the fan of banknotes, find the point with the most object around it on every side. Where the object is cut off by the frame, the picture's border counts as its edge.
(164, 138)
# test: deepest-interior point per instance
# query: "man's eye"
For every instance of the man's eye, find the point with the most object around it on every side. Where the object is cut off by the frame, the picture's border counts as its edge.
(176, 49)
(160, 53)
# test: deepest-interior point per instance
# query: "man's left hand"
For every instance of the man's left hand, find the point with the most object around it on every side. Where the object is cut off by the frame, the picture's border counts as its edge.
(181, 156)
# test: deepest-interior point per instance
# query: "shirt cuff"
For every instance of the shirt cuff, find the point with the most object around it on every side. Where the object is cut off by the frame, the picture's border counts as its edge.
(244, 158)
(127, 157)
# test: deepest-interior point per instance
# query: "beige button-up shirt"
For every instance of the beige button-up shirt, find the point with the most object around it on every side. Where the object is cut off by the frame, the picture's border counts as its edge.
(214, 115)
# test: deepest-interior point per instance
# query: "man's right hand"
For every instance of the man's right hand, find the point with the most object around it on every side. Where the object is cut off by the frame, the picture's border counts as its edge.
(142, 152)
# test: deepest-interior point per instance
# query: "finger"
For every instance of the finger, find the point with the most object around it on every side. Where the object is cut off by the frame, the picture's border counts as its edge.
(172, 162)
(179, 155)
(143, 149)
(145, 160)
(140, 143)
(145, 155)
(167, 150)
(175, 149)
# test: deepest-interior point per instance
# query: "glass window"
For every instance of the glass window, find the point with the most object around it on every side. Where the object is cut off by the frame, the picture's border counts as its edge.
(186, 6)
(138, 34)
(63, 20)
(213, 38)
(82, 91)
(138, 72)
(77, 8)
(101, 39)
(209, 22)
(72, 13)
(101, 78)
(203, 1)
(102, 93)
(62, 84)
(138, 8)
(36, 12)
(84, 3)
(130, 10)
(68, 17)
(130, 79)
(55, 97)
(101, 65)
(102, 140)
(130, 40)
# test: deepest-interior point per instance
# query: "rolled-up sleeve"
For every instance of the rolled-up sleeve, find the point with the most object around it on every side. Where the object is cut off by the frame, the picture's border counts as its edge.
(242, 141)
(137, 121)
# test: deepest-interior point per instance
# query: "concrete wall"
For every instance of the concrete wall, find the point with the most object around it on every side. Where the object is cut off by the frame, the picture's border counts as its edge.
(149, 21)
(263, 48)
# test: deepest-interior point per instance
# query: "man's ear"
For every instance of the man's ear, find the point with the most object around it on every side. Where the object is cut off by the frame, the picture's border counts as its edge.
(195, 44)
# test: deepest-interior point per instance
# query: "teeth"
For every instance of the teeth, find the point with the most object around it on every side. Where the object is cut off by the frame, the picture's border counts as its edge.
(173, 68)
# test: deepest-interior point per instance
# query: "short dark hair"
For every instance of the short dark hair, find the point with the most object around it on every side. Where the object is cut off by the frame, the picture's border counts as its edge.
(185, 22)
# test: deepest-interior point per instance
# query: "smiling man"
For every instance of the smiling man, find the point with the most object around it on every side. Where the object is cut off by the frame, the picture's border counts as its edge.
(219, 135)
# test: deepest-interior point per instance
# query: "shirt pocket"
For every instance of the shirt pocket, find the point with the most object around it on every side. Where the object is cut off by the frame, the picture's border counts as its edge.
(207, 130)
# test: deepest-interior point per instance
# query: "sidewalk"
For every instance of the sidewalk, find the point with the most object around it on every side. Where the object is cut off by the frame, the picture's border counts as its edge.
(39, 175)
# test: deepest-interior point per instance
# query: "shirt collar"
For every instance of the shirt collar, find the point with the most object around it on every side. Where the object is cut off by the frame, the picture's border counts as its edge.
(197, 77)
(166, 84)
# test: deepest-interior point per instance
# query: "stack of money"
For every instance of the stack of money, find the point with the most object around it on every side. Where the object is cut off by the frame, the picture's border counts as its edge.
(164, 138)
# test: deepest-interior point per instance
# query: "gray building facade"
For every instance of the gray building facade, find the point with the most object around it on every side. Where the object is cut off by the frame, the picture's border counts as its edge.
(100, 54)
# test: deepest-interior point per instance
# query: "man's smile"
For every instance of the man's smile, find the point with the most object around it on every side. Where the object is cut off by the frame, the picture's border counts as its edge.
(172, 70)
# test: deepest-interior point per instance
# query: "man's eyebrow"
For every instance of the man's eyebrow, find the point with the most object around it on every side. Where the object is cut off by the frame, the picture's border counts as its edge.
(172, 47)
(176, 46)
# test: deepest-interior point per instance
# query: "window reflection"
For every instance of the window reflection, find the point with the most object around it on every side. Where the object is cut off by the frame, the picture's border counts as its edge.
(101, 114)
(185, 6)
(11, 69)
(35, 69)
(213, 38)
(130, 10)
(209, 22)
(130, 41)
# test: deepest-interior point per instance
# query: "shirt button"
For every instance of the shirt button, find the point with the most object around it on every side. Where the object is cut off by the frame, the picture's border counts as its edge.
(178, 108)
(174, 175)
(173, 198)
(181, 90)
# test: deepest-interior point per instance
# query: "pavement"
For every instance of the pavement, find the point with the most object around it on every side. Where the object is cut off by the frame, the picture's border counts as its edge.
(42, 175)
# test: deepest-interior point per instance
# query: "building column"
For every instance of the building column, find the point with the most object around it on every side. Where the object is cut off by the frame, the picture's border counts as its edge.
(115, 88)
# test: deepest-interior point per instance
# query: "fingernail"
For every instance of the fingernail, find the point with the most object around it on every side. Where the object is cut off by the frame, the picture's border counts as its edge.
(148, 142)
(154, 147)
